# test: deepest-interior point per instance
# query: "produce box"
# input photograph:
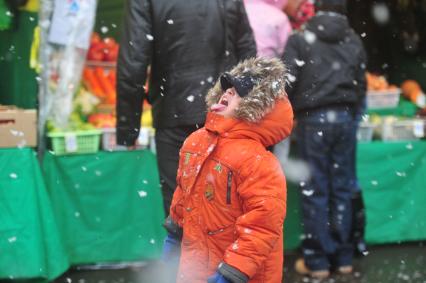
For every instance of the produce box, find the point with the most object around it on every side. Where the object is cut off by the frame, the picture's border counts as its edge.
(365, 131)
(18, 127)
(109, 142)
(379, 99)
(412, 129)
(77, 142)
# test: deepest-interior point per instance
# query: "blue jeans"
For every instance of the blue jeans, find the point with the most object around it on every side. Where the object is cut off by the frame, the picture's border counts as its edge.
(326, 141)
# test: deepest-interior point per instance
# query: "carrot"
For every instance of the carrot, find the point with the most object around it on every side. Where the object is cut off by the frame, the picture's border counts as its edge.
(106, 85)
(90, 79)
(112, 76)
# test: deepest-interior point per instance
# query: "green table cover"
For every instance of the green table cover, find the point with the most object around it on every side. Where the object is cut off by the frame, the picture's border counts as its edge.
(30, 246)
(108, 205)
(393, 179)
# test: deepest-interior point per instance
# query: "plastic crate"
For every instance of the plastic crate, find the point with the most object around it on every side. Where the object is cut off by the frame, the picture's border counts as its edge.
(383, 99)
(109, 142)
(403, 130)
(75, 142)
(365, 131)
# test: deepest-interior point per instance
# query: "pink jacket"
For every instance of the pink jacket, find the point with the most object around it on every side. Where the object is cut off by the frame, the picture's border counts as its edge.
(270, 25)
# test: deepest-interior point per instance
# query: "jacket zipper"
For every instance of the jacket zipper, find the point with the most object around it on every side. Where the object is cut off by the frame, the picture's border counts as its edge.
(228, 188)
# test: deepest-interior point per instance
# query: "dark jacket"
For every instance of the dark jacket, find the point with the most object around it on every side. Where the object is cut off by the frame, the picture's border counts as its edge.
(188, 43)
(327, 64)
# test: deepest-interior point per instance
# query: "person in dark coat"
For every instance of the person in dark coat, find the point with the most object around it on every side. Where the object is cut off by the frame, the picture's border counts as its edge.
(327, 64)
(187, 43)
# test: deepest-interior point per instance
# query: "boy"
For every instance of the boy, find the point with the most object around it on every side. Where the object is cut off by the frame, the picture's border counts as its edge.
(231, 195)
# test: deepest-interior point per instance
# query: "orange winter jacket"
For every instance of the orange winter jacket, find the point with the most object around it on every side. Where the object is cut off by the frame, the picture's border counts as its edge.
(231, 198)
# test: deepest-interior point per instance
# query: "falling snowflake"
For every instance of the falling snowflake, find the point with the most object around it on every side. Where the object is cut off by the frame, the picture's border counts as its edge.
(299, 63)
(190, 98)
(275, 85)
(170, 22)
(310, 37)
(291, 78)
(374, 182)
(152, 241)
(149, 37)
(308, 193)
(104, 29)
(13, 175)
(210, 149)
(12, 239)
(400, 174)
(142, 194)
(320, 133)
(381, 13)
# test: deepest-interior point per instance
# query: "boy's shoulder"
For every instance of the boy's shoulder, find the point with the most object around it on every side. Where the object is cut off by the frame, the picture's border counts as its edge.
(198, 141)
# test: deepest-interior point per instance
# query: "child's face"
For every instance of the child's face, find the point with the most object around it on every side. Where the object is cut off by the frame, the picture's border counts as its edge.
(227, 104)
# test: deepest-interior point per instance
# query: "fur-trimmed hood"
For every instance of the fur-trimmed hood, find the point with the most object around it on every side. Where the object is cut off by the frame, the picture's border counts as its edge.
(271, 74)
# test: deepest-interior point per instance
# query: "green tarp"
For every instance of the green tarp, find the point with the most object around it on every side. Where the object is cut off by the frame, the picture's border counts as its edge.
(393, 179)
(30, 246)
(108, 205)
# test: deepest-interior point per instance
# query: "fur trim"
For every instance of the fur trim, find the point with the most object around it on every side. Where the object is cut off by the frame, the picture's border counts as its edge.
(261, 99)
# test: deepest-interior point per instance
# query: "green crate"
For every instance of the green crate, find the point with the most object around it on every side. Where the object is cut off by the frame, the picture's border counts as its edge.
(75, 142)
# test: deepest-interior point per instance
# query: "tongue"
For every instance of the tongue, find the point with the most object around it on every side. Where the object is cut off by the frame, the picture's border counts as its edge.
(217, 107)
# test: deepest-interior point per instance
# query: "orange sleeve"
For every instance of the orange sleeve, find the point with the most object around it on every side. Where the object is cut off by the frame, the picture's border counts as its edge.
(177, 206)
(263, 194)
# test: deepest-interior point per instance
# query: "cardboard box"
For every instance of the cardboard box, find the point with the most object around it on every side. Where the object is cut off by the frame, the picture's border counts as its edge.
(18, 127)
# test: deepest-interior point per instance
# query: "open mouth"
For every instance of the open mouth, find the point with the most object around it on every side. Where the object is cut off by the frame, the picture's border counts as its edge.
(220, 106)
(224, 101)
